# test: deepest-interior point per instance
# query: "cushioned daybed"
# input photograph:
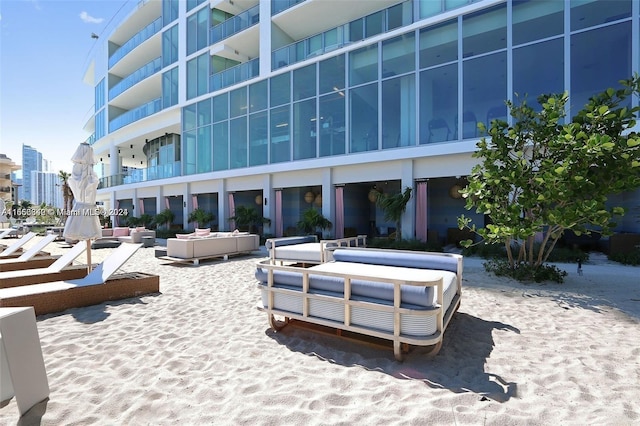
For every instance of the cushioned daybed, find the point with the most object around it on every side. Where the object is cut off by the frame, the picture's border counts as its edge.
(403, 296)
(307, 248)
(206, 245)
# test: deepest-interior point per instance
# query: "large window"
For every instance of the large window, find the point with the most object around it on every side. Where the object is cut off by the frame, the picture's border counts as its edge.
(170, 46)
(258, 142)
(363, 65)
(193, 3)
(585, 14)
(99, 95)
(331, 77)
(280, 135)
(170, 88)
(304, 82)
(364, 118)
(399, 112)
(280, 90)
(204, 150)
(533, 77)
(220, 107)
(599, 59)
(398, 55)
(332, 124)
(169, 11)
(198, 31)
(238, 142)
(439, 104)
(439, 44)
(190, 152)
(238, 102)
(484, 31)
(304, 129)
(258, 99)
(197, 76)
(221, 146)
(484, 91)
(536, 20)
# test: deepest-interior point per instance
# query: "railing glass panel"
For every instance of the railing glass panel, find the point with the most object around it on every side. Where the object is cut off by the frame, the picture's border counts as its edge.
(135, 114)
(135, 41)
(231, 26)
(233, 75)
(136, 77)
(142, 175)
(278, 6)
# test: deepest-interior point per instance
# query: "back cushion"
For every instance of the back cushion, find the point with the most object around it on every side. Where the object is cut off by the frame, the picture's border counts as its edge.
(184, 236)
(203, 232)
(120, 232)
(391, 258)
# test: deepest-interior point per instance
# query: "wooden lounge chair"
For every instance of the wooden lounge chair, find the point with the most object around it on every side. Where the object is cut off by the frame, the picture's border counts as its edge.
(5, 233)
(58, 270)
(28, 259)
(99, 286)
(13, 248)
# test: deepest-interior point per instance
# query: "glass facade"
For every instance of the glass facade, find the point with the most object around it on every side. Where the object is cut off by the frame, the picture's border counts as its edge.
(198, 31)
(198, 76)
(169, 11)
(170, 46)
(170, 88)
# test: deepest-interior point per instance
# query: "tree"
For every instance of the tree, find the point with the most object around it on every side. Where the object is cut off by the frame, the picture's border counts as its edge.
(67, 194)
(247, 217)
(393, 207)
(200, 217)
(543, 176)
(312, 221)
(165, 218)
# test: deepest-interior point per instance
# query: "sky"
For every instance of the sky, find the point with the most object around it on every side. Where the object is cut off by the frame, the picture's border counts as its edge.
(45, 49)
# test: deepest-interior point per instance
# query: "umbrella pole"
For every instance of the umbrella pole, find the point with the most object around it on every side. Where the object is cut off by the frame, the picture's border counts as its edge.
(88, 256)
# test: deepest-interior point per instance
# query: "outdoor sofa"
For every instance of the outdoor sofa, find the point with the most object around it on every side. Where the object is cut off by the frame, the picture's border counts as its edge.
(204, 244)
(403, 296)
(307, 248)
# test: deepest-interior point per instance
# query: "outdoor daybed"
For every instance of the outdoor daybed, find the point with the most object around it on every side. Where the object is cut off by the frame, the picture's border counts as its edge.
(403, 296)
(307, 248)
(204, 244)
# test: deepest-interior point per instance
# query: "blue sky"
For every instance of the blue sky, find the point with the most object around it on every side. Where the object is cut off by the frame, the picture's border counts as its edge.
(45, 47)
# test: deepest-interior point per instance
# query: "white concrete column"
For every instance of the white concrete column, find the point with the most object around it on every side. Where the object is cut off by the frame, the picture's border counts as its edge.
(265, 38)
(408, 222)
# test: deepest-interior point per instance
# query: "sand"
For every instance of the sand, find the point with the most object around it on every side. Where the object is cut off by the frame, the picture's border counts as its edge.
(201, 353)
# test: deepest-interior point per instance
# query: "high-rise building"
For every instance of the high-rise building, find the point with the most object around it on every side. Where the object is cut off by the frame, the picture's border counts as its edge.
(292, 104)
(7, 188)
(45, 188)
(31, 162)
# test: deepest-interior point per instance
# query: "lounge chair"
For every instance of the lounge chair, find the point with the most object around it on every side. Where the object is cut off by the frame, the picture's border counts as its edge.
(97, 287)
(5, 233)
(28, 259)
(58, 270)
(13, 248)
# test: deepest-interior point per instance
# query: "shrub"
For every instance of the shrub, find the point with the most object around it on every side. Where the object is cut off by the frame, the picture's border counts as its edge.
(415, 245)
(525, 272)
(630, 258)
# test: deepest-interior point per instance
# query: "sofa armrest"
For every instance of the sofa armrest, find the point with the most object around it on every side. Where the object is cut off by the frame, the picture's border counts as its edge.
(182, 249)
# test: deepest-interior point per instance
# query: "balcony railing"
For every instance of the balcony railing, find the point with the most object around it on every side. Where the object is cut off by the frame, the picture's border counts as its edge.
(278, 6)
(136, 77)
(376, 23)
(145, 34)
(135, 114)
(233, 75)
(231, 26)
(141, 175)
(91, 139)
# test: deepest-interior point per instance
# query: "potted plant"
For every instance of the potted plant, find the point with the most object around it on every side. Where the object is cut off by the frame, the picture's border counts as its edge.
(165, 218)
(393, 206)
(200, 217)
(248, 219)
(313, 221)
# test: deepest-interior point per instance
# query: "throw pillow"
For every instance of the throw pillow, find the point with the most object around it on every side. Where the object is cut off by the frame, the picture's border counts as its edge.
(120, 232)
(203, 232)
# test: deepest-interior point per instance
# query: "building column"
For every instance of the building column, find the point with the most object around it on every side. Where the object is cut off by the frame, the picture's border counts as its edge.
(408, 222)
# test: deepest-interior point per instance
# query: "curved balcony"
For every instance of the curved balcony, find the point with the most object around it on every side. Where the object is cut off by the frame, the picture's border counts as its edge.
(233, 75)
(231, 26)
(135, 114)
(137, 76)
(145, 34)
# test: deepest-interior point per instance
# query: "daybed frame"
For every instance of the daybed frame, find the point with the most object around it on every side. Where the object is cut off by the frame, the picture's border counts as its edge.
(317, 307)
(307, 249)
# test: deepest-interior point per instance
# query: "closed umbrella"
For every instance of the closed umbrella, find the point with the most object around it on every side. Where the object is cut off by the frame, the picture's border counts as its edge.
(82, 223)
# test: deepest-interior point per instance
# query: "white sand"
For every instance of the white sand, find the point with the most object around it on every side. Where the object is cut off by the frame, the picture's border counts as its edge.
(201, 353)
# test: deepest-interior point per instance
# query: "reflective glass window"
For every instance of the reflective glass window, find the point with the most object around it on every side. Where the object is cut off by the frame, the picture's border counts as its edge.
(258, 96)
(484, 31)
(221, 107)
(332, 74)
(204, 112)
(170, 88)
(535, 20)
(356, 30)
(439, 44)
(484, 89)
(599, 59)
(374, 24)
(363, 108)
(238, 102)
(454, 4)
(438, 104)
(190, 152)
(193, 3)
(238, 142)
(399, 111)
(588, 13)
(221, 146)
(189, 117)
(170, 46)
(258, 138)
(197, 76)
(169, 11)
(280, 135)
(398, 55)
(304, 82)
(429, 8)
(533, 77)
(204, 149)
(304, 129)
(363, 65)
(198, 31)
(332, 124)
(280, 90)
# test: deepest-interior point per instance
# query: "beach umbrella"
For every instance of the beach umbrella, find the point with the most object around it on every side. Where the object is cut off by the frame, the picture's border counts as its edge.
(82, 223)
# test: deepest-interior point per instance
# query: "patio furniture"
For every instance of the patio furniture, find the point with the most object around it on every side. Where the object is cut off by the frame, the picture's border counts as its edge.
(307, 248)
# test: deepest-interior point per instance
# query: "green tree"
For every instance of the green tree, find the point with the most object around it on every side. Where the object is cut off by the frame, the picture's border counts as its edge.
(200, 217)
(393, 206)
(312, 221)
(545, 175)
(165, 218)
(67, 194)
(145, 219)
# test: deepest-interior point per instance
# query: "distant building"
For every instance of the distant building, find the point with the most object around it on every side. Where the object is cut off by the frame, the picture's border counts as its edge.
(45, 189)
(7, 167)
(31, 162)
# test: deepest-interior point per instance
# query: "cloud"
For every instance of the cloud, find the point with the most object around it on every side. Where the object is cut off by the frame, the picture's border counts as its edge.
(88, 19)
